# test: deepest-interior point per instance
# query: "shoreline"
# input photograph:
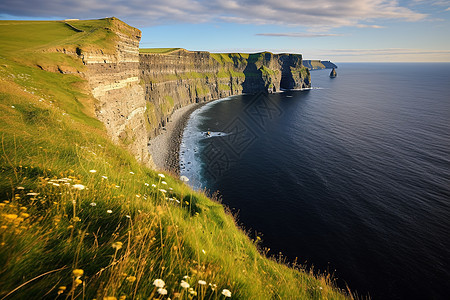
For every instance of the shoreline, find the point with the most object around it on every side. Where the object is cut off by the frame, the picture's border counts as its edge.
(165, 148)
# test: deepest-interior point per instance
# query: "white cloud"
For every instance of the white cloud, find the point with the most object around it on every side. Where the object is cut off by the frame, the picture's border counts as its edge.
(369, 26)
(312, 14)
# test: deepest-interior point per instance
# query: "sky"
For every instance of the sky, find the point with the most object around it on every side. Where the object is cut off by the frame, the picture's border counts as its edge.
(340, 31)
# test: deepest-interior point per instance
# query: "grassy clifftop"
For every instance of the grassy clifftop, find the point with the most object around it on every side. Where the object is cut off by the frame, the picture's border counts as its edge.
(80, 218)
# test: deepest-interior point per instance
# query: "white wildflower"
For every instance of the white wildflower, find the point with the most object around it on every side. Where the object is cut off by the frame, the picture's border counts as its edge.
(20, 188)
(78, 187)
(161, 175)
(163, 182)
(104, 177)
(146, 184)
(184, 284)
(202, 282)
(192, 292)
(226, 293)
(162, 190)
(184, 178)
(162, 291)
(131, 172)
(159, 283)
(153, 185)
(93, 171)
(109, 211)
(32, 194)
(93, 204)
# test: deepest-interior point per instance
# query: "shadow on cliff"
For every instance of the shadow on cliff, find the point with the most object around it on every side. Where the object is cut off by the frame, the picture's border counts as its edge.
(287, 80)
(253, 81)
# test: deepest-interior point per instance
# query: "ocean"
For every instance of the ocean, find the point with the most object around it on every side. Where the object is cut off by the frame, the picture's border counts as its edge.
(351, 177)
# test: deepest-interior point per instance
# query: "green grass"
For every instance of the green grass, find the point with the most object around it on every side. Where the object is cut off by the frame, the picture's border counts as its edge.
(128, 226)
(158, 50)
(267, 72)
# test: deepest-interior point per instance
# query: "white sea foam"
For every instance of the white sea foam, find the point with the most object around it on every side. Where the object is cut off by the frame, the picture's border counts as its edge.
(190, 161)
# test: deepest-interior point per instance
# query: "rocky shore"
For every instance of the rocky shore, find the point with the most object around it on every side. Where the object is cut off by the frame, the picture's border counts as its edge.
(165, 147)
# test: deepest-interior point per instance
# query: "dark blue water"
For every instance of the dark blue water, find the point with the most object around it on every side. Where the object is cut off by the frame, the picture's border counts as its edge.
(352, 177)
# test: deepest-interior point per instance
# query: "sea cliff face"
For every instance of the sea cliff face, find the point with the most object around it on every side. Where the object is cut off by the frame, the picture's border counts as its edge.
(137, 93)
(114, 79)
(319, 64)
(181, 77)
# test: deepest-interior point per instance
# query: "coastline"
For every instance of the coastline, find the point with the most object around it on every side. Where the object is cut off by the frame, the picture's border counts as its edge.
(165, 147)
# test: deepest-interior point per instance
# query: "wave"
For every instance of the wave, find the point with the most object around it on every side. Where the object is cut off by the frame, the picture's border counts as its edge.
(190, 161)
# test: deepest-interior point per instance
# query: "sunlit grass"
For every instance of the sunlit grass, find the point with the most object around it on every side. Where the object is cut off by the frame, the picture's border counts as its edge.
(158, 50)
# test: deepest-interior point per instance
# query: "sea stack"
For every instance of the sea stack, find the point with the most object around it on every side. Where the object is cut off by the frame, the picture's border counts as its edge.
(333, 73)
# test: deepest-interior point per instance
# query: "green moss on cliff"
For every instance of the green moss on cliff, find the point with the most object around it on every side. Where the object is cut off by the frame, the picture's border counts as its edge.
(267, 72)
(158, 50)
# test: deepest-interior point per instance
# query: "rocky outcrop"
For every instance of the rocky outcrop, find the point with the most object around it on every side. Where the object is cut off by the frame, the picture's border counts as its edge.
(333, 73)
(114, 80)
(319, 64)
(181, 77)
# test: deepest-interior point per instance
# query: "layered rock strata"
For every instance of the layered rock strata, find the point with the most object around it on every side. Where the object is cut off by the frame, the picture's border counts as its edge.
(114, 80)
(181, 77)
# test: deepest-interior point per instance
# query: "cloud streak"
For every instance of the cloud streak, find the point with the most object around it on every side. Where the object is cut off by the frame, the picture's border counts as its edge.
(298, 34)
(388, 51)
(312, 14)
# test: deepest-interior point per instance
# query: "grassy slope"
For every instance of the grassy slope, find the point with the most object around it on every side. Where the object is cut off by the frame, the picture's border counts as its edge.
(158, 50)
(50, 140)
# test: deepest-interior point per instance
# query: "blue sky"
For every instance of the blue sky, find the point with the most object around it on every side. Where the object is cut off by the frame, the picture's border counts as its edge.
(341, 31)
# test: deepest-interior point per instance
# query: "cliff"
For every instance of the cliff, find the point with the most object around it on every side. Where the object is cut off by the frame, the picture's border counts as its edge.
(137, 92)
(319, 64)
(114, 79)
(180, 77)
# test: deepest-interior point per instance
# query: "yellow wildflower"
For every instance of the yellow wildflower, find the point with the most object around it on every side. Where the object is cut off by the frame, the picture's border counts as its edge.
(61, 289)
(131, 279)
(78, 273)
(117, 245)
(78, 281)
(10, 217)
(18, 220)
